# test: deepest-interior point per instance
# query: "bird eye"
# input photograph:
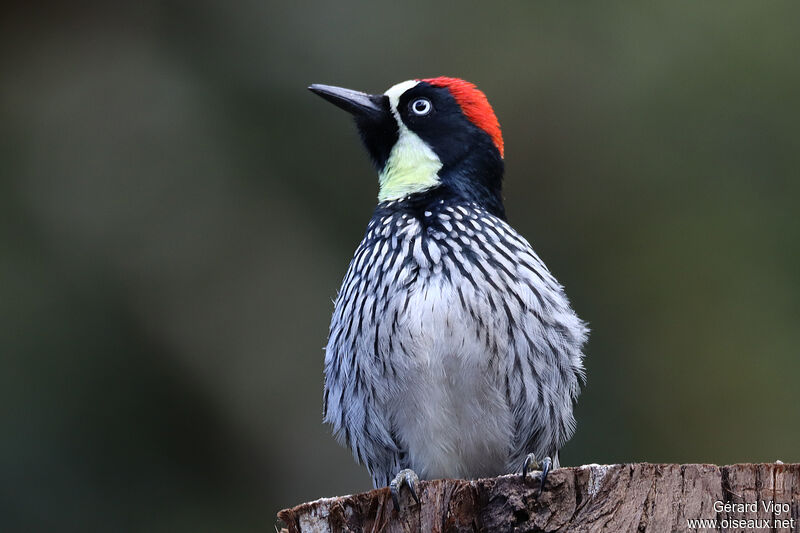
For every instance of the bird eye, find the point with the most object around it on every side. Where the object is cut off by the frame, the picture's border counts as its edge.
(421, 106)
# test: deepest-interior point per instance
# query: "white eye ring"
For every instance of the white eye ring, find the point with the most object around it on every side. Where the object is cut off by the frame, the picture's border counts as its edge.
(421, 106)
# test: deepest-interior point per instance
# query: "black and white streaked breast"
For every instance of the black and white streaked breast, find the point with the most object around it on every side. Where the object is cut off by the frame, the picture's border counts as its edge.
(459, 244)
(452, 347)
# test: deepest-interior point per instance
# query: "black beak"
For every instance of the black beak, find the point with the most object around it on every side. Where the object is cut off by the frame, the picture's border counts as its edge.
(360, 105)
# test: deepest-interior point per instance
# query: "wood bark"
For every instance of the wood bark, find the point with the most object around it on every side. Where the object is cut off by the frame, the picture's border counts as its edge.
(640, 497)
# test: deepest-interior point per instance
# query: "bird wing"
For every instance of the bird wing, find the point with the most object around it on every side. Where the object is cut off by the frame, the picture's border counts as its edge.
(537, 338)
(515, 307)
(355, 407)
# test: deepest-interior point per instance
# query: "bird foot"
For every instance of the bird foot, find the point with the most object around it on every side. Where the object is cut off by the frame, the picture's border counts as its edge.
(532, 464)
(408, 478)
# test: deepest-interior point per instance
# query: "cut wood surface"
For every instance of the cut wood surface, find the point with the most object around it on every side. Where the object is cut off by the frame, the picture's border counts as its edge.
(608, 498)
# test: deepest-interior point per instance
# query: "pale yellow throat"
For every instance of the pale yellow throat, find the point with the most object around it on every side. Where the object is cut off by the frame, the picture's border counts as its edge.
(412, 165)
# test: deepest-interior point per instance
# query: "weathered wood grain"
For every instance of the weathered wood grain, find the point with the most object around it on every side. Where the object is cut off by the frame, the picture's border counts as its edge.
(640, 497)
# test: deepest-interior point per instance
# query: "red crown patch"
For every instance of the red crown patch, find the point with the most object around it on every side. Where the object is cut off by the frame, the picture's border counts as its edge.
(474, 105)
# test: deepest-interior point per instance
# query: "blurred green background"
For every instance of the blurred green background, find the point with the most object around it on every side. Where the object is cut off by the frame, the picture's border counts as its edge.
(177, 212)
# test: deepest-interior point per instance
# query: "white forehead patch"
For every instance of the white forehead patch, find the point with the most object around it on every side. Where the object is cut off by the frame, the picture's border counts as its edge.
(397, 91)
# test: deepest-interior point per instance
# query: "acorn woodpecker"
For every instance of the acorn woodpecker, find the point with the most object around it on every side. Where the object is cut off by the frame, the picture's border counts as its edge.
(452, 352)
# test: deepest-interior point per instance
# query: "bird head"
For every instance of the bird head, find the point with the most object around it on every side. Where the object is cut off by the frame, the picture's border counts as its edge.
(436, 136)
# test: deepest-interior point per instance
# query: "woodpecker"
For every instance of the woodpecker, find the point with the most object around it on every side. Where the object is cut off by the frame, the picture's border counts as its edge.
(453, 352)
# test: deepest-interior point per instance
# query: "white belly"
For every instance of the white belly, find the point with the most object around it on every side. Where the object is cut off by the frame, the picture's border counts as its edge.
(451, 409)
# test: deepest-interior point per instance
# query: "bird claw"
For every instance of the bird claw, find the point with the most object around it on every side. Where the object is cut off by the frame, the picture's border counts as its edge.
(405, 477)
(545, 466)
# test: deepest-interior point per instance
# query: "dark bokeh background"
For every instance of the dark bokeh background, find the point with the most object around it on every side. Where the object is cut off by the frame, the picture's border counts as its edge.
(177, 211)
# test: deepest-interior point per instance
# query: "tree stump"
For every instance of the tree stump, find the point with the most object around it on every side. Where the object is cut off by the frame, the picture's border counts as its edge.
(639, 497)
